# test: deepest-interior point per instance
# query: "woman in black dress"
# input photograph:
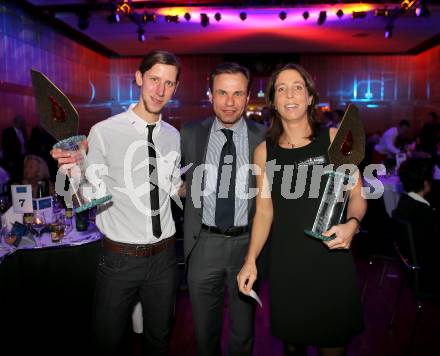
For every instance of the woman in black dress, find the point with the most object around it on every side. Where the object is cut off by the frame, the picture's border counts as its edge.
(314, 298)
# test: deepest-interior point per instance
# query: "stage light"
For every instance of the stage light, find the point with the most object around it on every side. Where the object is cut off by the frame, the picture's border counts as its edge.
(340, 13)
(306, 15)
(141, 34)
(359, 14)
(187, 16)
(83, 20)
(204, 20)
(243, 16)
(218, 16)
(382, 12)
(172, 18)
(114, 14)
(422, 10)
(388, 31)
(146, 17)
(408, 4)
(125, 8)
(322, 17)
(282, 15)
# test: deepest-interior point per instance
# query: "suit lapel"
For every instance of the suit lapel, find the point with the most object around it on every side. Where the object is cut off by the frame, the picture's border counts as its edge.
(253, 140)
(203, 139)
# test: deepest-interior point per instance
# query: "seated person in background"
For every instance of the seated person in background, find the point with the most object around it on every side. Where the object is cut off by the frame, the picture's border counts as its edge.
(40, 144)
(430, 133)
(388, 143)
(35, 170)
(416, 177)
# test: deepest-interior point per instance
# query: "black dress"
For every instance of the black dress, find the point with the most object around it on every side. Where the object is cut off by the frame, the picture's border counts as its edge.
(314, 297)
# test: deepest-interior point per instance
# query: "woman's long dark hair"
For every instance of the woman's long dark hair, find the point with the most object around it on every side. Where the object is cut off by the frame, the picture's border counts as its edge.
(276, 127)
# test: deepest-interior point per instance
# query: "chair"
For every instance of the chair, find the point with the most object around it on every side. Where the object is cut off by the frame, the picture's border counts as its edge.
(375, 240)
(404, 246)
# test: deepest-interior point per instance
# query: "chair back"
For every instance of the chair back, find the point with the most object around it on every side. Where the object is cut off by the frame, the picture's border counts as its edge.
(405, 248)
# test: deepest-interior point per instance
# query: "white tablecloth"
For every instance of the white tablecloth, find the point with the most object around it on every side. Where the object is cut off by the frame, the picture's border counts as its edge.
(392, 190)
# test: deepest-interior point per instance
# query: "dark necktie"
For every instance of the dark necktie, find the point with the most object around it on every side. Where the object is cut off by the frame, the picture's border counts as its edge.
(225, 199)
(154, 184)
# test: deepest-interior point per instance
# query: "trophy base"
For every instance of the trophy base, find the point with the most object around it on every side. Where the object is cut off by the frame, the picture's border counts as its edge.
(73, 140)
(93, 203)
(318, 236)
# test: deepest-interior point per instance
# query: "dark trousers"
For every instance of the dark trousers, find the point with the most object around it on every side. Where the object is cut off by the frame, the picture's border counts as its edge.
(213, 264)
(121, 281)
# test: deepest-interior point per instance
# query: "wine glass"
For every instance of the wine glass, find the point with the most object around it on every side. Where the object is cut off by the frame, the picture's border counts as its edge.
(38, 224)
(4, 205)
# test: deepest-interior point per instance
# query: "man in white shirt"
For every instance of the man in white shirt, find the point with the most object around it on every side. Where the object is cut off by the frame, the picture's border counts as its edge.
(138, 258)
(387, 143)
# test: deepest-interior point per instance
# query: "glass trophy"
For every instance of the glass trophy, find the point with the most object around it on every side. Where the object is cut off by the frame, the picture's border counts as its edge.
(83, 196)
(348, 147)
(332, 206)
(60, 119)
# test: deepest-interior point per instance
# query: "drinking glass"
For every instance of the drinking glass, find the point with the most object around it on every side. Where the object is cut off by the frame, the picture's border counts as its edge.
(38, 224)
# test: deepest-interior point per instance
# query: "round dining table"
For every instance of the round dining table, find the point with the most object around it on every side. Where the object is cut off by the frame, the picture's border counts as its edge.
(46, 294)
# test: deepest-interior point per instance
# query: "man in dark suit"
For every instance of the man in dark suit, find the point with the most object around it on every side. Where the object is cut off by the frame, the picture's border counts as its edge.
(14, 146)
(413, 207)
(218, 211)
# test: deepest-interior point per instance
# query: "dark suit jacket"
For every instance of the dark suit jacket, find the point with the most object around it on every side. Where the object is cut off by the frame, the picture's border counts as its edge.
(12, 156)
(194, 144)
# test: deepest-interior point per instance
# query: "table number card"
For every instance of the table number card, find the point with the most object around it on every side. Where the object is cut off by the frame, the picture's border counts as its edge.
(22, 198)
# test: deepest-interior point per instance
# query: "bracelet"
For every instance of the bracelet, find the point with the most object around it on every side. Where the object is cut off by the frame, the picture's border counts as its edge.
(355, 219)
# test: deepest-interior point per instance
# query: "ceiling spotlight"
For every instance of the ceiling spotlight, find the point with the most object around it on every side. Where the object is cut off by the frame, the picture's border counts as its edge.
(125, 7)
(306, 15)
(114, 14)
(243, 16)
(382, 12)
(359, 14)
(422, 11)
(218, 16)
(172, 18)
(339, 13)
(187, 16)
(322, 17)
(204, 20)
(148, 17)
(83, 19)
(388, 31)
(282, 15)
(407, 4)
(141, 34)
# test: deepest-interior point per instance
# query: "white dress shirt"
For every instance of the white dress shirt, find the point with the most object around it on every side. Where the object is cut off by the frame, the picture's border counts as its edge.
(215, 145)
(20, 137)
(419, 198)
(118, 155)
(387, 142)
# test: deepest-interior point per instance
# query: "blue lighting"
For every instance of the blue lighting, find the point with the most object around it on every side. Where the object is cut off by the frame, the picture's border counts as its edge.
(355, 93)
(372, 106)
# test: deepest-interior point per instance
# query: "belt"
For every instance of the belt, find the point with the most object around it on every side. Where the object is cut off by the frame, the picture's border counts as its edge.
(231, 232)
(138, 250)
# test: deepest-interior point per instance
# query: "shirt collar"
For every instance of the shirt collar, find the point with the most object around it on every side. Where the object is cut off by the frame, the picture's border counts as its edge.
(419, 198)
(239, 128)
(139, 124)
